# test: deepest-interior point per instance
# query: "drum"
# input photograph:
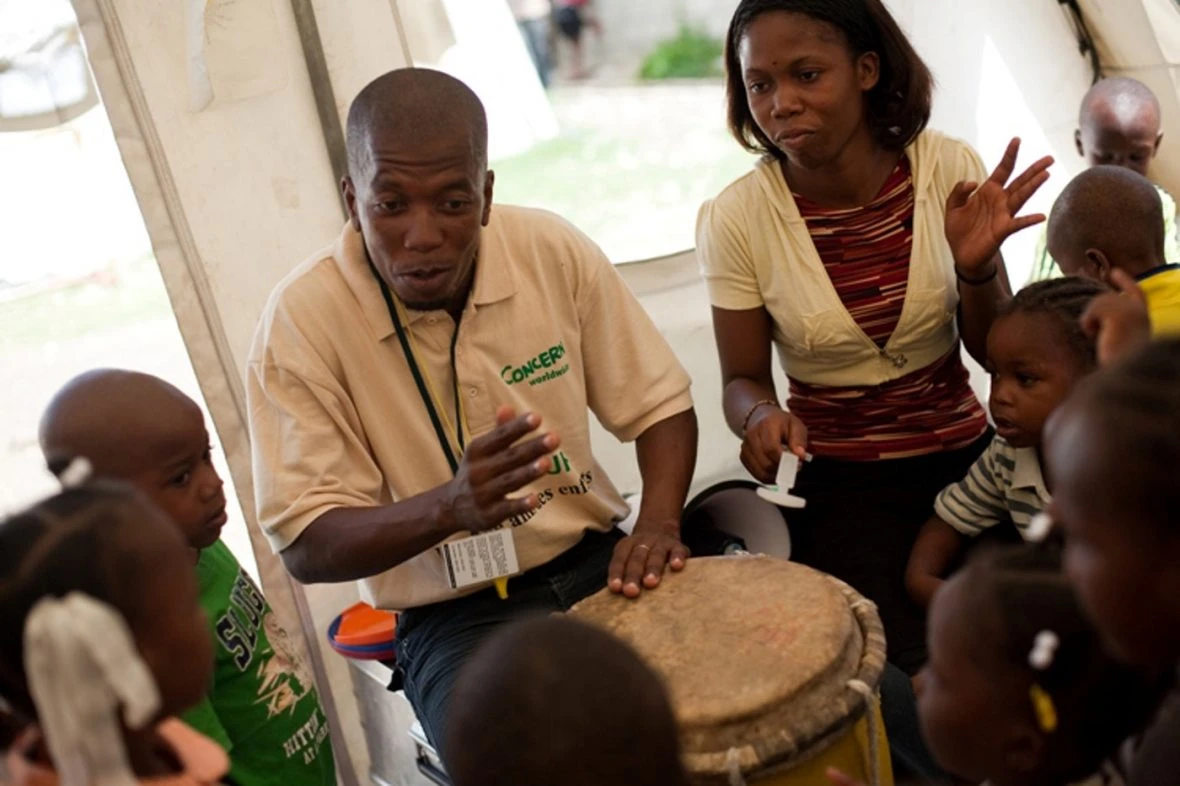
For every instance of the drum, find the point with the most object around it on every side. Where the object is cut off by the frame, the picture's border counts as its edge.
(772, 669)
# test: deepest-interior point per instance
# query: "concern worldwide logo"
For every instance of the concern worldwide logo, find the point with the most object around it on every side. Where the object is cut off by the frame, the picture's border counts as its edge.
(544, 367)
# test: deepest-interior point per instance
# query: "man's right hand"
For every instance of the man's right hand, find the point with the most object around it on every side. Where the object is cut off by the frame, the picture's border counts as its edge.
(769, 429)
(495, 465)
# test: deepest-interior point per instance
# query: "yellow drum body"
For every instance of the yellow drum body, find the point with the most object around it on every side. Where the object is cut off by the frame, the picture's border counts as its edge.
(772, 669)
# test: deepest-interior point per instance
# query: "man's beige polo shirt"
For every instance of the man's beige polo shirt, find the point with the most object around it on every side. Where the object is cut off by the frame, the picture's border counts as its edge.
(336, 419)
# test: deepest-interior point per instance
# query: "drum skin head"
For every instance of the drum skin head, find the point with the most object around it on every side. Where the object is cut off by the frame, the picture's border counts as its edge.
(756, 654)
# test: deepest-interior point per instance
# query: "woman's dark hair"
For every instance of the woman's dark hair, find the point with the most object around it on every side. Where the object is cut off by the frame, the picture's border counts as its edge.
(70, 542)
(1099, 702)
(898, 106)
(1064, 300)
(1135, 404)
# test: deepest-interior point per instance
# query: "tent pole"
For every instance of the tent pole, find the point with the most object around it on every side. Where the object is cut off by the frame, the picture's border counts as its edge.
(322, 92)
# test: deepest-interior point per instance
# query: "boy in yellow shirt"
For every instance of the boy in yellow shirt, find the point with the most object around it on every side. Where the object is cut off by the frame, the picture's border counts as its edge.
(1110, 218)
(1118, 125)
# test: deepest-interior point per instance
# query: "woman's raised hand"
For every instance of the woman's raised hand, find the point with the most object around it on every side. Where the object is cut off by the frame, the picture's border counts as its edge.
(979, 217)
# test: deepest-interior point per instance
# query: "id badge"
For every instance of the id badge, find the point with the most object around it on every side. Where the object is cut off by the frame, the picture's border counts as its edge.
(480, 559)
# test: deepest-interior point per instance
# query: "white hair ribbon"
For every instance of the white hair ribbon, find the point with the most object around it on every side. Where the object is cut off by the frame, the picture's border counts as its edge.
(82, 666)
(1044, 650)
(76, 473)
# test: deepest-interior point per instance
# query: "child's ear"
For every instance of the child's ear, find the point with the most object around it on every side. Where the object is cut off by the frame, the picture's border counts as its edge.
(1023, 748)
(1077, 140)
(1099, 266)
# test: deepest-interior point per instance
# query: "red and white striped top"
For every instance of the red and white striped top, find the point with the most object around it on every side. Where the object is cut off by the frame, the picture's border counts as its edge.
(866, 253)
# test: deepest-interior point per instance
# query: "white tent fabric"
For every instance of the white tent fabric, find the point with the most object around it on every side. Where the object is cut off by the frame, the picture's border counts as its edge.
(196, 309)
(44, 81)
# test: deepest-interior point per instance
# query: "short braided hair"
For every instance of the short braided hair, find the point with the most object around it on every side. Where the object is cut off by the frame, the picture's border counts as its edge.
(1064, 300)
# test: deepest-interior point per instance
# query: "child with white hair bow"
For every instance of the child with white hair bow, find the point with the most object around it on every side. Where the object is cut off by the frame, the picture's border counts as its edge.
(102, 641)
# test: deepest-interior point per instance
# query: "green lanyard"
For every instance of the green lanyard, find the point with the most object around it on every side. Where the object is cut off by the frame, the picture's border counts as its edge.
(424, 389)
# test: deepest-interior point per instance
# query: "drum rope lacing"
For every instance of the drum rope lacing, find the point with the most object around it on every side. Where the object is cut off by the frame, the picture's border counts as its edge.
(872, 707)
(733, 762)
(733, 759)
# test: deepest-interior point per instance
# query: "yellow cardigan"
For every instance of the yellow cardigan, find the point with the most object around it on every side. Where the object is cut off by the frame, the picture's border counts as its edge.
(756, 252)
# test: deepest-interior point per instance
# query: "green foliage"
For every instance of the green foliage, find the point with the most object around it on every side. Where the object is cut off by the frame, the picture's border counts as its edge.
(692, 54)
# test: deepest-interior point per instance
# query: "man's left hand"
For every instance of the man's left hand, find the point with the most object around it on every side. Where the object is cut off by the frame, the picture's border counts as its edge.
(640, 558)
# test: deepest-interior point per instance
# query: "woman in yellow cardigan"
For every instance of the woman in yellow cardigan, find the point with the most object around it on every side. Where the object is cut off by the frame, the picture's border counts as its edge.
(862, 246)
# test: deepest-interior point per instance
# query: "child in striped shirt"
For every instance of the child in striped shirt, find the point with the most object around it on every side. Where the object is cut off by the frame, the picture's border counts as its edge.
(1037, 352)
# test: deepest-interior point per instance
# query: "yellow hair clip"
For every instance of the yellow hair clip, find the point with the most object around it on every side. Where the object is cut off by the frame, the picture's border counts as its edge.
(1044, 708)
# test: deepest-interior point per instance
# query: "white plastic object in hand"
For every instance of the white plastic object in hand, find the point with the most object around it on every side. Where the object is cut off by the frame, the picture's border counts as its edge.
(779, 494)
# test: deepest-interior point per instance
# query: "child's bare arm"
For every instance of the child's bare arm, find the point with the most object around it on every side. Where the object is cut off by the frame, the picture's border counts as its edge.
(936, 548)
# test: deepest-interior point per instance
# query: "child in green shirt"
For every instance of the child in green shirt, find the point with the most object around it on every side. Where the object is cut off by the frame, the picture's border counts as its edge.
(262, 706)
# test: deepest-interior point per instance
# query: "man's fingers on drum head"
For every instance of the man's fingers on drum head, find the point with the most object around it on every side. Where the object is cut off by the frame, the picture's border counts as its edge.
(636, 568)
(678, 556)
(618, 564)
(655, 561)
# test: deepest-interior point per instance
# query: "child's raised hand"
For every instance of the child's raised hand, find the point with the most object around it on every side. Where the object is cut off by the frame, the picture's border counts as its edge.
(1118, 321)
(979, 217)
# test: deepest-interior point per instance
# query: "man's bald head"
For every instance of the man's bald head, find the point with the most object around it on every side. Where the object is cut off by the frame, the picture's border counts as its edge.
(1119, 124)
(1107, 217)
(118, 420)
(413, 108)
(419, 191)
(1120, 97)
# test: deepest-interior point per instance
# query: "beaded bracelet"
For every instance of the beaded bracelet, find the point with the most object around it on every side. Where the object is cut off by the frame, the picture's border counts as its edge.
(753, 409)
(978, 282)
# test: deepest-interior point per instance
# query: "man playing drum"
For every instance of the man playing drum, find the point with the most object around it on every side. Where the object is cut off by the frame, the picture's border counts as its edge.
(398, 382)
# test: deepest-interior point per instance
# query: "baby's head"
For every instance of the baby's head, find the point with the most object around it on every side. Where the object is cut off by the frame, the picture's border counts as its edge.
(1037, 352)
(139, 429)
(1119, 124)
(1113, 452)
(552, 700)
(1107, 217)
(106, 542)
(1018, 689)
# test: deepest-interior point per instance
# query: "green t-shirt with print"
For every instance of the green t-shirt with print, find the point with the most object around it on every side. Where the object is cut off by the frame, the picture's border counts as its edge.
(262, 706)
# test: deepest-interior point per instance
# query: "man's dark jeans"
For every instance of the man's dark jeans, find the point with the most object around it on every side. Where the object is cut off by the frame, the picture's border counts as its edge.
(433, 642)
